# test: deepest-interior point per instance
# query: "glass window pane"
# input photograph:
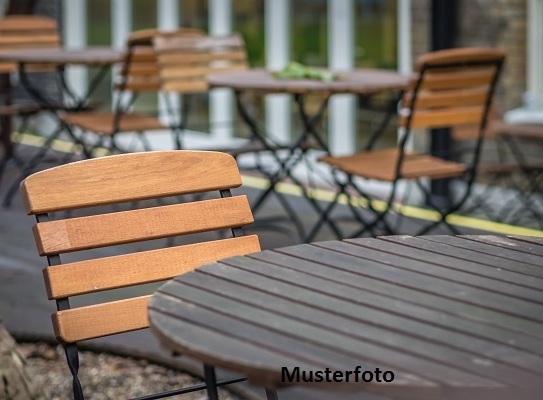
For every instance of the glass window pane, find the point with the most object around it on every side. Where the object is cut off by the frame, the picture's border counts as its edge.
(309, 33)
(375, 34)
(248, 19)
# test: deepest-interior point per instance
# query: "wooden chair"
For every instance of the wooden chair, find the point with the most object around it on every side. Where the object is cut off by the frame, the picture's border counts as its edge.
(129, 178)
(138, 74)
(19, 32)
(185, 62)
(451, 88)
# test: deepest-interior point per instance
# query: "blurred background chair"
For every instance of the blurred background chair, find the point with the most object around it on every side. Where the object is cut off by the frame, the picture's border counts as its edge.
(124, 179)
(451, 88)
(137, 75)
(19, 32)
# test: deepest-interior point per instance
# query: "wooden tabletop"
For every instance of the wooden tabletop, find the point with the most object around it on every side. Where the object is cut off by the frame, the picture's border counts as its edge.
(86, 56)
(359, 81)
(450, 317)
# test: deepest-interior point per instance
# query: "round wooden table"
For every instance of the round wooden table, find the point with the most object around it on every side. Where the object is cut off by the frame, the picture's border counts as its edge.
(359, 81)
(61, 56)
(445, 317)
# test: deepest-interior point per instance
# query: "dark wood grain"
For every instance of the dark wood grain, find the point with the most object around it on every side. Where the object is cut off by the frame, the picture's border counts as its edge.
(508, 254)
(478, 263)
(449, 326)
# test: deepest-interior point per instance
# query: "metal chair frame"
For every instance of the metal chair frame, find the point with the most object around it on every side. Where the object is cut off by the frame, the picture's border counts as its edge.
(378, 224)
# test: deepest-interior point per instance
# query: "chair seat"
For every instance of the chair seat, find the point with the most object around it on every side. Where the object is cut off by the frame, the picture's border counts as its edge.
(102, 123)
(381, 164)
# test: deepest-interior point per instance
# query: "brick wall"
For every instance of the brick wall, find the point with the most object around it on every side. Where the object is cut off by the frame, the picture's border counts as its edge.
(499, 23)
(494, 23)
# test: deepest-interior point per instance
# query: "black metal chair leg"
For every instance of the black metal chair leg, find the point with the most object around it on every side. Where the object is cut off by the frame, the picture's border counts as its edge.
(211, 382)
(271, 394)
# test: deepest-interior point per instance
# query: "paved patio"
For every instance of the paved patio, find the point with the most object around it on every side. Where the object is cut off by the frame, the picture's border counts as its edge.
(25, 310)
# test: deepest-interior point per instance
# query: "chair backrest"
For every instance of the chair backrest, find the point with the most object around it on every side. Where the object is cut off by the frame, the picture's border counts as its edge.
(139, 72)
(18, 32)
(185, 62)
(452, 88)
(130, 178)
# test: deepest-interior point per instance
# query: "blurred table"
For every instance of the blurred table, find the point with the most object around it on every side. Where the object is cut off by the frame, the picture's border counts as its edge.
(103, 57)
(450, 317)
(57, 59)
(360, 82)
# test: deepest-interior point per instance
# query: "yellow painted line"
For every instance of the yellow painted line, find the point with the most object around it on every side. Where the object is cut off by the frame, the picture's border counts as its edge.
(408, 211)
(38, 141)
(327, 196)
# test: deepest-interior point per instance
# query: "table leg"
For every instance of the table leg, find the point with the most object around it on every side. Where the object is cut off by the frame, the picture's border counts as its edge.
(211, 382)
(258, 137)
(271, 394)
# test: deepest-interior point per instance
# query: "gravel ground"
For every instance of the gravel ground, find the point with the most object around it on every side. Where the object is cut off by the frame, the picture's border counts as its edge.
(104, 376)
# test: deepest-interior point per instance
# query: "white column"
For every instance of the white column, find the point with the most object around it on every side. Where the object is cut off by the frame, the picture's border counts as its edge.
(168, 19)
(220, 100)
(121, 26)
(535, 54)
(121, 22)
(277, 45)
(405, 50)
(75, 36)
(168, 14)
(342, 124)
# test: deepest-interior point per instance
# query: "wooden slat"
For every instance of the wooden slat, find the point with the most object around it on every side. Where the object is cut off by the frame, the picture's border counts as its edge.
(139, 86)
(26, 23)
(292, 277)
(138, 268)
(90, 232)
(138, 69)
(529, 239)
(507, 243)
(310, 339)
(195, 58)
(512, 271)
(435, 280)
(185, 62)
(165, 43)
(450, 98)
(103, 123)
(451, 269)
(444, 117)
(456, 80)
(362, 322)
(185, 86)
(461, 55)
(19, 41)
(101, 319)
(176, 72)
(508, 254)
(128, 177)
(381, 164)
(389, 282)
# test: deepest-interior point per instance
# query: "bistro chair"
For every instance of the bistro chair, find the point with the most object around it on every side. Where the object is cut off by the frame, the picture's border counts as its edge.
(185, 62)
(450, 88)
(127, 178)
(19, 32)
(137, 75)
